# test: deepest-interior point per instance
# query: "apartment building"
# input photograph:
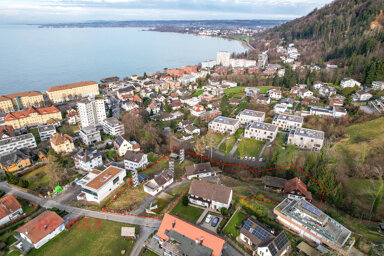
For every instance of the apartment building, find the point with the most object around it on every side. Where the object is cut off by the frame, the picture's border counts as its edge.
(287, 122)
(87, 159)
(62, 143)
(134, 160)
(10, 144)
(91, 112)
(89, 135)
(312, 224)
(46, 131)
(261, 131)
(222, 124)
(306, 138)
(32, 117)
(349, 82)
(247, 115)
(62, 93)
(19, 101)
(113, 126)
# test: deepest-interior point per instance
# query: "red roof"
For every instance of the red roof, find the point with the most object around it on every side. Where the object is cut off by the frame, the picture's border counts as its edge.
(191, 231)
(31, 110)
(8, 205)
(41, 226)
(296, 184)
(70, 86)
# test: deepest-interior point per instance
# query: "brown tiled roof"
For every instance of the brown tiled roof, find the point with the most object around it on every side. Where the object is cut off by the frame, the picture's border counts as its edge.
(21, 94)
(274, 182)
(7, 130)
(198, 168)
(133, 156)
(8, 205)
(296, 184)
(26, 113)
(164, 177)
(59, 138)
(70, 86)
(104, 177)
(215, 192)
(39, 227)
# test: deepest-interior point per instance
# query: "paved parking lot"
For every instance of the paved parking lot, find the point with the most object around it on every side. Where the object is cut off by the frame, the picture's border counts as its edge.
(208, 226)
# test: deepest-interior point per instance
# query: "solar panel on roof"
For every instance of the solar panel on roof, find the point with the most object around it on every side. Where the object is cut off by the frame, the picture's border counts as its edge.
(247, 225)
(272, 249)
(260, 233)
(281, 240)
(311, 209)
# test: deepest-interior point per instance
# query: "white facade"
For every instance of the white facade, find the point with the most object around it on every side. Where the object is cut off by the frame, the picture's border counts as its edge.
(222, 58)
(45, 239)
(223, 124)
(288, 122)
(211, 203)
(378, 85)
(247, 115)
(280, 108)
(208, 64)
(46, 131)
(197, 110)
(88, 160)
(306, 138)
(134, 165)
(349, 82)
(261, 131)
(91, 112)
(12, 216)
(113, 127)
(275, 94)
(89, 135)
(18, 142)
(152, 187)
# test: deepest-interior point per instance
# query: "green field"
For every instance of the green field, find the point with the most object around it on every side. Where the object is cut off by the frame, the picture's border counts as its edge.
(80, 240)
(228, 144)
(37, 178)
(188, 213)
(230, 229)
(249, 147)
(242, 37)
(238, 91)
(199, 92)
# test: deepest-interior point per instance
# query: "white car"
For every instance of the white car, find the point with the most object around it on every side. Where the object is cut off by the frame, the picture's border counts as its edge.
(208, 218)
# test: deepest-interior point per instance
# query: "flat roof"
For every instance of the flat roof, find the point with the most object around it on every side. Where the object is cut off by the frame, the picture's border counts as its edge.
(225, 120)
(263, 126)
(309, 133)
(104, 177)
(250, 112)
(292, 118)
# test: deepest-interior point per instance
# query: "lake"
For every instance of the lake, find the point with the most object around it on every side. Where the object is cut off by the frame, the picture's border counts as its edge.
(33, 58)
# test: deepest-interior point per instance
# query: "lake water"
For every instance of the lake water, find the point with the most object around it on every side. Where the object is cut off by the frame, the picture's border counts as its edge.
(33, 58)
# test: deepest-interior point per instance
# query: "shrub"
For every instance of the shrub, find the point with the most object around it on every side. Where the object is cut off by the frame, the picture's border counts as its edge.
(185, 200)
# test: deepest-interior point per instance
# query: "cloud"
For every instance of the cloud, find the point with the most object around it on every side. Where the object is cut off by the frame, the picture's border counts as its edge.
(83, 10)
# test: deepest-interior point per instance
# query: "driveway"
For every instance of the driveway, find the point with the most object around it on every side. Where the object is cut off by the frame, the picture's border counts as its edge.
(145, 232)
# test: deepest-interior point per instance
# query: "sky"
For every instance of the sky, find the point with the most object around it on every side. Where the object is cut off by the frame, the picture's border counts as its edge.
(55, 11)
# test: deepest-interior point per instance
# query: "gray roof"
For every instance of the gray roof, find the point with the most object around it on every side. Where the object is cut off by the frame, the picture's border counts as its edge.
(188, 246)
(225, 120)
(164, 177)
(46, 128)
(274, 182)
(12, 158)
(263, 126)
(250, 112)
(86, 154)
(16, 139)
(198, 168)
(309, 133)
(112, 121)
(292, 118)
(133, 156)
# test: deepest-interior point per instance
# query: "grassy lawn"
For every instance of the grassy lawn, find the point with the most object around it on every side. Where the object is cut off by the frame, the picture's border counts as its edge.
(129, 199)
(37, 178)
(235, 92)
(230, 229)
(249, 147)
(228, 144)
(80, 240)
(146, 252)
(199, 92)
(217, 139)
(242, 37)
(188, 213)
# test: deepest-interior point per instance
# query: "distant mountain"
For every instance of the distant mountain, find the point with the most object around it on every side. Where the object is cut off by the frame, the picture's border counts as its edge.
(349, 33)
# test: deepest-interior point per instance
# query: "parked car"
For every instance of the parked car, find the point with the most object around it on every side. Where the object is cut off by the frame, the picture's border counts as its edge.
(215, 221)
(208, 218)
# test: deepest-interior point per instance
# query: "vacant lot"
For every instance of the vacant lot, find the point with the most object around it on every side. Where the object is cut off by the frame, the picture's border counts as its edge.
(37, 178)
(188, 213)
(129, 199)
(89, 237)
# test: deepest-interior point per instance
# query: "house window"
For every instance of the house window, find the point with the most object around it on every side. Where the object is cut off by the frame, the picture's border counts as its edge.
(115, 180)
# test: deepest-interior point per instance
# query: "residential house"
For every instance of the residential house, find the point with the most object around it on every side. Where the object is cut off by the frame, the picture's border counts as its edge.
(296, 189)
(209, 115)
(62, 143)
(190, 101)
(274, 183)
(87, 159)
(261, 131)
(200, 170)
(10, 209)
(14, 161)
(128, 106)
(287, 122)
(263, 100)
(18, 142)
(229, 83)
(280, 108)
(251, 91)
(247, 115)
(38, 231)
(312, 224)
(89, 135)
(210, 195)
(159, 182)
(349, 82)
(263, 241)
(67, 92)
(191, 130)
(46, 131)
(184, 123)
(304, 93)
(295, 90)
(222, 124)
(121, 145)
(134, 160)
(306, 138)
(361, 96)
(275, 94)
(113, 126)
(153, 109)
(234, 101)
(175, 105)
(178, 237)
(72, 116)
(197, 110)
(98, 185)
(6, 132)
(378, 85)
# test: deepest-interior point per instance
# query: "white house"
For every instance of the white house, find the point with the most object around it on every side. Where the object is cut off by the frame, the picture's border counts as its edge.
(128, 106)
(378, 85)
(153, 108)
(274, 94)
(87, 159)
(200, 170)
(280, 108)
(121, 145)
(190, 101)
(222, 124)
(349, 82)
(361, 95)
(191, 129)
(134, 160)
(305, 93)
(98, 185)
(159, 182)
(197, 110)
(247, 115)
(306, 138)
(46, 131)
(38, 231)
(229, 83)
(10, 209)
(210, 195)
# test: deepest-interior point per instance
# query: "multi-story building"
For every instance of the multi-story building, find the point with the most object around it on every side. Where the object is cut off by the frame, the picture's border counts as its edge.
(312, 224)
(349, 82)
(14, 161)
(134, 160)
(287, 122)
(10, 209)
(46, 131)
(210, 195)
(222, 58)
(306, 138)
(32, 117)
(62, 143)
(159, 182)
(222, 124)
(275, 94)
(98, 185)
(19, 101)
(247, 115)
(113, 127)
(87, 159)
(91, 112)
(378, 85)
(90, 135)
(261, 131)
(62, 93)
(18, 142)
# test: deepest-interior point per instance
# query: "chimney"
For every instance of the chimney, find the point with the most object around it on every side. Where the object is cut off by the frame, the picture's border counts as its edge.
(197, 241)
(173, 224)
(201, 240)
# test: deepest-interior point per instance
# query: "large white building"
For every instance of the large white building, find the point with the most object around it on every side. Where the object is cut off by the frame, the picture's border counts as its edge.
(46, 131)
(222, 124)
(261, 131)
(98, 185)
(247, 115)
(222, 58)
(159, 182)
(113, 126)
(134, 160)
(287, 122)
(10, 144)
(210, 195)
(349, 82)
(87, 159)
(89, 135)
(91, 112)
(208, 64)
(306, 138)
